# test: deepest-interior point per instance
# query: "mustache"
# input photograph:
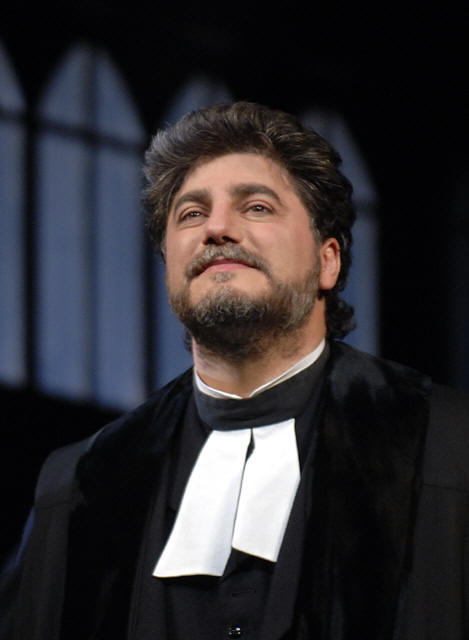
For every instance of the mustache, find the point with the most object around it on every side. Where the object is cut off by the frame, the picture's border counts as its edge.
(228, 252)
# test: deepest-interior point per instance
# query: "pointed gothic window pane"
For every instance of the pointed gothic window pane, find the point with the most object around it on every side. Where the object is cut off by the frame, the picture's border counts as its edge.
(116, 115)
(89, 244)
(69, 96)
(12, 352)
(171, 355)
(197, 93)
(362, 290)
(119, 280)
(11, 98)
(64, 313)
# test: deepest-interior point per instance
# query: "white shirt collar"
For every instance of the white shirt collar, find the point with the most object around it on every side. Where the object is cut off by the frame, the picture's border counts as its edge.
(289, 373)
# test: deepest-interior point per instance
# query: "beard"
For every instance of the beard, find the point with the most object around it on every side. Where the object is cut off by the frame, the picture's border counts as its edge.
(236, 325)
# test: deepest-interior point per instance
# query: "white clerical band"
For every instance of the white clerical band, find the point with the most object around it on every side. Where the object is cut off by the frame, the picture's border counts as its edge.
(230, 502)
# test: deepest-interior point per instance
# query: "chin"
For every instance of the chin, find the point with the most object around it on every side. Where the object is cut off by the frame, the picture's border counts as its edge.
(225, 282)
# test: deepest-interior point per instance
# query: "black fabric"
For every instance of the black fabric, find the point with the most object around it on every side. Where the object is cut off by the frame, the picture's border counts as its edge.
(437, 599)
(117, 479)
(367, 480)
(361, 576)
(253, 594)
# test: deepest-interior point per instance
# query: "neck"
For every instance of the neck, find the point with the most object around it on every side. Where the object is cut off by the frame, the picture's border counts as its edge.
(242, 377)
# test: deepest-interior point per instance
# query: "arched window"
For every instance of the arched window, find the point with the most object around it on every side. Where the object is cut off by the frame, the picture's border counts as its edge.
(171, 357)
(12, 184)
(362, 290)
(89, 246)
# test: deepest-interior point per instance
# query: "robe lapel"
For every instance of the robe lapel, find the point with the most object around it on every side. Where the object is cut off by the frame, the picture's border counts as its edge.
(365, 492)
(116, 479)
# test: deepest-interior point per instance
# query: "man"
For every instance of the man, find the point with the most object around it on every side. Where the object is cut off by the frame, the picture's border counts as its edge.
(289, 487)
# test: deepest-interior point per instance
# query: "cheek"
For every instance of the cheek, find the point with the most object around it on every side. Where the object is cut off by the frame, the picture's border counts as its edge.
(305, 245)
(174, 270)
(296, 252)
(180, 246)
(174, 257)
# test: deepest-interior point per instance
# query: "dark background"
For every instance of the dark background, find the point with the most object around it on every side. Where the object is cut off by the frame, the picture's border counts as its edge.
(399, 77)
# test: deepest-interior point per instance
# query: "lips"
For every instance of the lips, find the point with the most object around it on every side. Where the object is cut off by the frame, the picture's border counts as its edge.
(223, 264)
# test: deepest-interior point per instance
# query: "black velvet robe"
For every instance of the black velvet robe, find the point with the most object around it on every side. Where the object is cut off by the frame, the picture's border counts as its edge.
(387, 547)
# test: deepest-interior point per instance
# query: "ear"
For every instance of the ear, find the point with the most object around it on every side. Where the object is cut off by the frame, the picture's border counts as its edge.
(329, 253)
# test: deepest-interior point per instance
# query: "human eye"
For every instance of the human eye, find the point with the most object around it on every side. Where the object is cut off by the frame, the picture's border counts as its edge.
(189, 215)
(259, 208)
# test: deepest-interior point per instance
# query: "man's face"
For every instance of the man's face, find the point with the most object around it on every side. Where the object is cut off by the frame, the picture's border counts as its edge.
(237, 232)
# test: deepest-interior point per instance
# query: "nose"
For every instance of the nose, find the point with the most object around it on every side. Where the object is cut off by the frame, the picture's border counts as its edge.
(222, 226)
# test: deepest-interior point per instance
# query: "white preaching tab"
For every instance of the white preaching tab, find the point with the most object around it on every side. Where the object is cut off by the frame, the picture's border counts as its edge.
(230, 503)
(200, 541)
(271, 478)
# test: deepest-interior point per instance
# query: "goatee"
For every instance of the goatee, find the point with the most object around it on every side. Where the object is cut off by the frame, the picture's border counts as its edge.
(236, 325)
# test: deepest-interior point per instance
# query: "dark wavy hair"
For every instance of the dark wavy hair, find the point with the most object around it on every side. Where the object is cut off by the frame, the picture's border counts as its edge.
(312, 163)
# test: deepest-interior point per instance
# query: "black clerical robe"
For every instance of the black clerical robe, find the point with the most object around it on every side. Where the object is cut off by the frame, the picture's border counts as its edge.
(255, 598)
(385, 553)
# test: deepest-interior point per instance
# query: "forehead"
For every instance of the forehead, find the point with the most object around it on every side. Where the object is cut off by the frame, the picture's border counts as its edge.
(236, 168)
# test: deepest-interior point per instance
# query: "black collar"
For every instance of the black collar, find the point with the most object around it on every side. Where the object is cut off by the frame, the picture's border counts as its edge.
(281, 402)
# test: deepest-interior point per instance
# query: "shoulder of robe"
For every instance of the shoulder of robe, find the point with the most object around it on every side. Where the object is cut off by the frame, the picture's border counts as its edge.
(446, 451)
(446, 459)
(57, 479)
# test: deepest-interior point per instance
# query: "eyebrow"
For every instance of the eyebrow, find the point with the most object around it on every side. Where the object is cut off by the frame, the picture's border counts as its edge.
(250, 189)
(196, 195)
(236, 191)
